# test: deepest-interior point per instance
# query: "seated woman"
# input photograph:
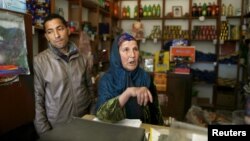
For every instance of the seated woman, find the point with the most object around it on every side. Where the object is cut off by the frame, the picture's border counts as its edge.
(126, 90)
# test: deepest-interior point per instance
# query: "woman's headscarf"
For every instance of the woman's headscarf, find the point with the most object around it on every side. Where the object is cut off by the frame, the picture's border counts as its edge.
(117, 79)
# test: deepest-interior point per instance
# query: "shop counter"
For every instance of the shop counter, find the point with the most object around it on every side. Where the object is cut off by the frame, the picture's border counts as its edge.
(86, 129)
(144, 126)
(80, 129)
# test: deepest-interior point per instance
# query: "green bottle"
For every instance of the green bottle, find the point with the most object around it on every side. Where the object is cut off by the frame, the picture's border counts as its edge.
(158, 10)
(128, 12)
(204, 9)
(145, 11)
(154, 10)
(149, 10)
(136, 11)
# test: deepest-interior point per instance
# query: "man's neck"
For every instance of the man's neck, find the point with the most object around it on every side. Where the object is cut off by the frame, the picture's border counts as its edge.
(64, 50)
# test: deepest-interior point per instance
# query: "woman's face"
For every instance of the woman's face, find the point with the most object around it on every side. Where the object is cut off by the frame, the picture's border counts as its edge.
(129, 53)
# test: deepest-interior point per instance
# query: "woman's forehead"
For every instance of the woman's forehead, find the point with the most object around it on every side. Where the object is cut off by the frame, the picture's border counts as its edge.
(131, 43)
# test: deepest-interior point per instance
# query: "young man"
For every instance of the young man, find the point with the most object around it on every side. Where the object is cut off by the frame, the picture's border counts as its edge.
(62, 78)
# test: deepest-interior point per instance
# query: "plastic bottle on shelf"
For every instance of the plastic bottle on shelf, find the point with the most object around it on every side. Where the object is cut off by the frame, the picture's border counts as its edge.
(128, 12)
(209, 9)
(158, 10)
(61, 12)
(223, 10)
(136, 11)
(154, 10)
(145, 11)
(213, 12)
(124, 12)
(204, 9)
(230, 10)
(194, 10)
(217, 9)
(199, 10)
(115, 10)
(149, 10)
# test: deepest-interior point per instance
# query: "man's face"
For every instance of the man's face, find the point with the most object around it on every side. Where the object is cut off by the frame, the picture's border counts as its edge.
(129, 53)
(57, 33)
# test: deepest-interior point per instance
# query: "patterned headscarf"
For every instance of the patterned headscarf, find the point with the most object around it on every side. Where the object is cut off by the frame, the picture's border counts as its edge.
(125, 37)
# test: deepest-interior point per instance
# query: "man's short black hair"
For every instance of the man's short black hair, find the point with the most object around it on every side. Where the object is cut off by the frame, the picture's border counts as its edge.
(54, 16)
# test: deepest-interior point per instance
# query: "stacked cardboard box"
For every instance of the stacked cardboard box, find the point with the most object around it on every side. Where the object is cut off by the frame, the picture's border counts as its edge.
(160, 80)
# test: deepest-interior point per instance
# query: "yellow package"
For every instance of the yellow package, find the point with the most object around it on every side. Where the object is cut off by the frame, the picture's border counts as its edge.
(161, 61)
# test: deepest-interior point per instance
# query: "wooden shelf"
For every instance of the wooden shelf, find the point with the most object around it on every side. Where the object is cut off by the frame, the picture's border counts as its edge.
(189, 23)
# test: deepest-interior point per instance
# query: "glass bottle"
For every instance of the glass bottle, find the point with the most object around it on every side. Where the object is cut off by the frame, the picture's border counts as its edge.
(150, 10)
(204, 9)
(154, 10)
(213, 12)
(230, 10)
(217, 9)
(223, 10)
(145, 11)
(209, 9)
(199, 10)
(194, 10)
(61, 12)
(128, 12)
(158, 10)
(116, 10)
(124, 10)
(136, 11)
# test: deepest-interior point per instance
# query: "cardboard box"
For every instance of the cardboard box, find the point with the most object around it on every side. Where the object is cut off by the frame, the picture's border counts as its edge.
(161, 61)
(160, 80)
(183, 51)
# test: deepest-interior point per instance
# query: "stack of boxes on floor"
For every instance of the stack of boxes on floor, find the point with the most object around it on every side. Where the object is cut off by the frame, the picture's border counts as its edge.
(161, 66)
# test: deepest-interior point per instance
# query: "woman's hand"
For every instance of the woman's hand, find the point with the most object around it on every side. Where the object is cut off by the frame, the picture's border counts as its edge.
(142, 93)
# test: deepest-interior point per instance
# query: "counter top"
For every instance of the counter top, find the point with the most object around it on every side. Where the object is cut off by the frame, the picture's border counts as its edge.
(143, 125)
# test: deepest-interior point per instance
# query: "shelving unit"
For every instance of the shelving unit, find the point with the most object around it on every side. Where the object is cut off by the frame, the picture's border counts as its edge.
(228, 82)
(212, 70)
(93, 13)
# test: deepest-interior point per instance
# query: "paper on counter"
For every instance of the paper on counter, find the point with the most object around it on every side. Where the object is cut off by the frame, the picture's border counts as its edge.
(126, 122)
